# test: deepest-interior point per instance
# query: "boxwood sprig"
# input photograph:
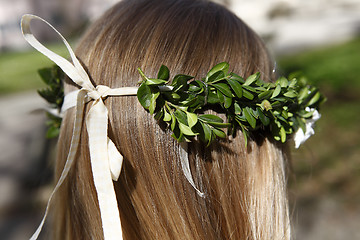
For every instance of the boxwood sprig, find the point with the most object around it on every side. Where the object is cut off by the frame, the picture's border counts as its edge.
(248, 104)
(54, 95)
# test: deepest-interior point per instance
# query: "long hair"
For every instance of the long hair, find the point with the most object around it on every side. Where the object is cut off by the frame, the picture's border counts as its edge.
(245, 187)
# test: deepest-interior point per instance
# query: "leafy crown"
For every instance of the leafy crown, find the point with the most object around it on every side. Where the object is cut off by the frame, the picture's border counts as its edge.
(279, 107)
(249, 105)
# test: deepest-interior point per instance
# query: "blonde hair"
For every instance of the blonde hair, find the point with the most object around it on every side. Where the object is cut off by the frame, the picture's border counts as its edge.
(245, 187)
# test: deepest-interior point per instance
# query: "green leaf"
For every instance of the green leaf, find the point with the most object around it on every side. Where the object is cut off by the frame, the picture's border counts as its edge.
(159, 114)
(265, 94)
(198, 103)
(264, 119)
(210, 118)
(163, 73)
(220, 125)
(173, 121)
(237, 78)
(206, 136)
(254, 113)
(240, 118)
(275, 104)
(180, 83)
(281, 99)
(219, 132)
(276, 91)
(220, 96)
(52, 132)
(314, 99)
(153, 98)
(144, 95)
(191, 119)
(303, 93)
(306, 114)
(190, 100)
(301, 124)
(292, 83)
(224, 67)
(47, 94)
(282, 134)
(154, 82)
(181, 116)
(282, 81)
(236, 87)
(175, 96)
(212, 98)
(251, 79)
(194, 86)
(167, 116)
(197, 86)
(54, 93)
(224, 88)
(46, 75)
(290, 94)
(248, 95)
(284, 114)
(260, 89)
(250, 119)
(237, 108)
(177, 134)
(227, 102)
(245, 134)
(249, 88)
(186, 130)
(216, 76)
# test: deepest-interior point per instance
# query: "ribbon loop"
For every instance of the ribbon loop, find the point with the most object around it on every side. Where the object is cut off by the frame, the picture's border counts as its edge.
(75, 71)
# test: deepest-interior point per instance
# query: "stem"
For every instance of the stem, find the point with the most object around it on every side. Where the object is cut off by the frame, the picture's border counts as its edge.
(167, 106)
(142, 75)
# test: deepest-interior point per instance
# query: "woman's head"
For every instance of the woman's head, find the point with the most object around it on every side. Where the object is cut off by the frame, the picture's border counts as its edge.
(244, 187)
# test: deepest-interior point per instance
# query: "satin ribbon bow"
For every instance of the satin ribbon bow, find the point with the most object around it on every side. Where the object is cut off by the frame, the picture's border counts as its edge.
(106, 160)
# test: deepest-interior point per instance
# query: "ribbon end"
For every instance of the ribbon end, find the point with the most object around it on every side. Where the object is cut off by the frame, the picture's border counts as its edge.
(184, 158)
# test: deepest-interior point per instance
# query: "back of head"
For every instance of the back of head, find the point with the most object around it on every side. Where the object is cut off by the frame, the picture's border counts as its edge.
(244, 186)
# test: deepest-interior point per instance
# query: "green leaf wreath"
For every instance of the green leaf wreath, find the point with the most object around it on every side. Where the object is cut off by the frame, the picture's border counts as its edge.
(249, 104)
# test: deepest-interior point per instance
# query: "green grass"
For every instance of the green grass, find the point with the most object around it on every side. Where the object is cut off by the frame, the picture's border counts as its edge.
(334, 68)
(329, 162)
(18, 70)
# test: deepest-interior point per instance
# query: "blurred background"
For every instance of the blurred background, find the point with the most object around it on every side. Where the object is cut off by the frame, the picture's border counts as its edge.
(319, 37)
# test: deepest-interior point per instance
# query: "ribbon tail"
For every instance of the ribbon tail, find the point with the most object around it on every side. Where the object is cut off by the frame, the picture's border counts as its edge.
(96, 124)
(115, 160)
(184, 158)
(70, 159)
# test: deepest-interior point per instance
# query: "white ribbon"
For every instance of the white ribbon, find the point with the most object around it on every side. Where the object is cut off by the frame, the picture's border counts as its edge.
(101, 147)
(300, 136)
(184, 159)
(106, 160)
